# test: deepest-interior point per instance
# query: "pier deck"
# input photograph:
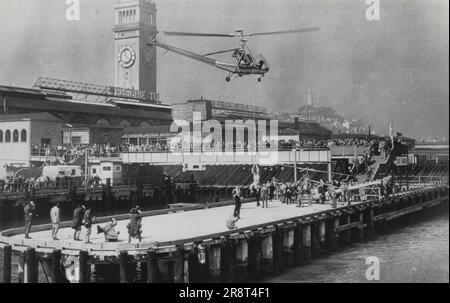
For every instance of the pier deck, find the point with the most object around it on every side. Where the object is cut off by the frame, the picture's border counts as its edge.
(176, 226)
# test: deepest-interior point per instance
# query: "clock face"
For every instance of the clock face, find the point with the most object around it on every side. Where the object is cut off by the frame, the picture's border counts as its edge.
(127, 56)
(148, 56)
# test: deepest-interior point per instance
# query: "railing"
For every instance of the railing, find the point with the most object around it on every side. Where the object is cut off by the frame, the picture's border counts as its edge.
(348, 151)
(64, 186)
(269, 157)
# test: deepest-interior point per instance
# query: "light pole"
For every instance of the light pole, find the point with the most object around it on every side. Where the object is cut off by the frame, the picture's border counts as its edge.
(295, 164)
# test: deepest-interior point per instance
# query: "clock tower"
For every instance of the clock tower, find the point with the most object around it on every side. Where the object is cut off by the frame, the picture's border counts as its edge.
(135, 61)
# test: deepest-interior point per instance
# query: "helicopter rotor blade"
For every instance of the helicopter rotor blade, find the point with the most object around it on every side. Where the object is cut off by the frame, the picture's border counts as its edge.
(220, 52)
(169, 33)
(292, 31)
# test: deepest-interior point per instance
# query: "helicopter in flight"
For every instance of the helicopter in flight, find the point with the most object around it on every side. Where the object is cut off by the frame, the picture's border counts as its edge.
(245, 63)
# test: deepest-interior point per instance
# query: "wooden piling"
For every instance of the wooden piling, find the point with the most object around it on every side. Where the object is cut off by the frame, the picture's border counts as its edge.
(228, 263)
(152, 267)
(178, 265)
(56, 266)
(306, 245)
(332, 241)
(267, 254)
(370, 227)
(242, 261)
(347, 237)
(202, 264)
(7, 266)
(360, 231)
(123, 263)
(297, 245)
(31, 266)
(83, 267)
(277, 242)
(214, 263)
(288, 247)
(322, 236)
(254, 256)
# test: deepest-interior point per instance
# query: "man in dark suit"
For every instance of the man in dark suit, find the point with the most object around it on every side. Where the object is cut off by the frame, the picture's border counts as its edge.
(28, 213)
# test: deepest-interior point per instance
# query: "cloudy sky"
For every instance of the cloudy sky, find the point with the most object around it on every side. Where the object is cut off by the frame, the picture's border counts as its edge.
(392, 69)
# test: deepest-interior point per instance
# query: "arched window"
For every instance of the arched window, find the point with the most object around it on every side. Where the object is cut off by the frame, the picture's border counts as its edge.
(15, 135)
(102, 122)
(23, 136)
(124, 124)
(8, 136)
(1, 136)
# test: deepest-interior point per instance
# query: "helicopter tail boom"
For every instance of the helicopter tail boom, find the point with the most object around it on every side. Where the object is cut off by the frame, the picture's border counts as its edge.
(195, 56)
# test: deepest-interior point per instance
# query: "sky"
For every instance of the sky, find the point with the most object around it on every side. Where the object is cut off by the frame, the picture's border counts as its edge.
(394, 69)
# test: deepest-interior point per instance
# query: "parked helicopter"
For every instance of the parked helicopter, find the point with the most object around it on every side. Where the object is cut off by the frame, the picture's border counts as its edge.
(245, 63)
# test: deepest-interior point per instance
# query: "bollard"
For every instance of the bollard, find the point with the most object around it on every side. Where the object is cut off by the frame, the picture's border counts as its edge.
(31, 266)
(228, 262)
(7, 258)
(306, 245)
(242, 261)
(123, 262)
(266, 254)
(254, 257)
(178, 265)
(214, 262)
(83, 260)
(56, 266)
(152, 269)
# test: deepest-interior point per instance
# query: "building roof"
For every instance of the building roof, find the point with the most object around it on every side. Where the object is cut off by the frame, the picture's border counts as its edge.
(28, 117)
(62, 105)
(38, 100)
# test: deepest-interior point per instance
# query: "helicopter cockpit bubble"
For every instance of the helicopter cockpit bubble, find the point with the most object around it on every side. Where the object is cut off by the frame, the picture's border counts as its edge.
(261, 62)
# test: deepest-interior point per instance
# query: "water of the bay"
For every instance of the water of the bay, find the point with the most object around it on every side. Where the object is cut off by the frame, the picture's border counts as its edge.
(415, 253)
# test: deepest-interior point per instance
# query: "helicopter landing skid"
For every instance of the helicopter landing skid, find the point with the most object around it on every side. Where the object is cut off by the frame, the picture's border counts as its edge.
(230, 75)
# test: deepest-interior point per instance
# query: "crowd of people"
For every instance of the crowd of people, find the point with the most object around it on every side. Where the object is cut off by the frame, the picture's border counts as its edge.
(302, 193)
(65, 154)
(83, 217)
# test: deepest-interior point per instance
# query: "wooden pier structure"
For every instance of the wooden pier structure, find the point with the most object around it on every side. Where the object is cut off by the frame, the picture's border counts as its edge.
(192, 244)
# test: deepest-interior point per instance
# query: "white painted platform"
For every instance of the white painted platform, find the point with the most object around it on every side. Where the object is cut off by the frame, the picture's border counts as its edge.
(182, 225)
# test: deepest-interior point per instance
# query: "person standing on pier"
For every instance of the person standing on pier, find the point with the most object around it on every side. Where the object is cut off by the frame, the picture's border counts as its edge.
(77, 221)
(265, 195)
(271, 190)
(237, 201)
(54, 217)
(135, 225)
(88, 222)
(333, 197)
(256, 191)
(28, 212)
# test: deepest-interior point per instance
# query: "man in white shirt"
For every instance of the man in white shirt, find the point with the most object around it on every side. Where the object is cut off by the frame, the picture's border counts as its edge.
(231, 222)
(54, 217)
